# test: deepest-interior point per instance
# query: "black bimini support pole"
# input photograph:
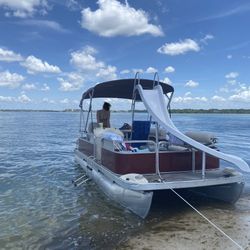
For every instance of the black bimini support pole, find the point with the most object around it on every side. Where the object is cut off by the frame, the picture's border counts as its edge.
(90, 109)
(136, 82)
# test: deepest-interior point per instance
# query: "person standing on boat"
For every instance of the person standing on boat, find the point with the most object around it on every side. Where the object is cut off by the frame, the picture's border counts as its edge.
(103, 115)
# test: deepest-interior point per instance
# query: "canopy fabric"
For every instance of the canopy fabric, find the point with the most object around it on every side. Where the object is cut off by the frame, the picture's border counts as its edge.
(122, 88)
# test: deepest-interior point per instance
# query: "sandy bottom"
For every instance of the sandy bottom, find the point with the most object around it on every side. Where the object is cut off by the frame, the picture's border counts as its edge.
(188, 230)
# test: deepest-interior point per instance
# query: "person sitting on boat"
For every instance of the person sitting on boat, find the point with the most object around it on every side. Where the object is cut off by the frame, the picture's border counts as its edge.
(103, 115)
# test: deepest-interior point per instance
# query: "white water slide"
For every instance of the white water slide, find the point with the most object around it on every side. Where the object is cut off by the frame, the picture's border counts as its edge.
(155, 102)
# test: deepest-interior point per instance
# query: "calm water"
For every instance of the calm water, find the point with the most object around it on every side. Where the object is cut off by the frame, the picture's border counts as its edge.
(39, 206)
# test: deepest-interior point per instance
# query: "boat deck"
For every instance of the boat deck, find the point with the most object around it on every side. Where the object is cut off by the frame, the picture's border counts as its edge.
(189, 179)
(188, 176)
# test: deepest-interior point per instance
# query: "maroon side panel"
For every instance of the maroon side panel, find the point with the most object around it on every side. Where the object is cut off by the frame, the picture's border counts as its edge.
(211, 162)
(145, 163)
(128, 163)
(173, 161)
(86, 147)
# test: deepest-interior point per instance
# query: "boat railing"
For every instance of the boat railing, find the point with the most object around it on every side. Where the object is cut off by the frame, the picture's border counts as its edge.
(203, 159)
(147, 142)
(118, 146)
(156, 150)
(153, 147)
(127, 147)
(156, 79)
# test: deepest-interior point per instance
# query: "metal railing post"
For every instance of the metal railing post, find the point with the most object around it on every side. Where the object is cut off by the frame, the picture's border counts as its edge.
(89, 111)
(193, 160)
(136, 82)
(203, 164)
(157, 165)
(158, 80)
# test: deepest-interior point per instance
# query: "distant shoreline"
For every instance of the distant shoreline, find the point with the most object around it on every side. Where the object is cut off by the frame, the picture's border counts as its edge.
(174, 111)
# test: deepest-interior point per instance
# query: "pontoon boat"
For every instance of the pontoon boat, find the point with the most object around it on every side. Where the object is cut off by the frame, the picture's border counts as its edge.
(130, 165)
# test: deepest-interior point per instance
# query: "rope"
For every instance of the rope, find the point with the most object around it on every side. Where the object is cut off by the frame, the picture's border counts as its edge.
(203, 216)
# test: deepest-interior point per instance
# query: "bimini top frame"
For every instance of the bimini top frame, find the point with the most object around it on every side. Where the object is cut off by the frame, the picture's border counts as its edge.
(122, 88)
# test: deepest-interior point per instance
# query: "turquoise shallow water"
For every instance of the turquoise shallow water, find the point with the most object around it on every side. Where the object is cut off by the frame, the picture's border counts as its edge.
(39, 206)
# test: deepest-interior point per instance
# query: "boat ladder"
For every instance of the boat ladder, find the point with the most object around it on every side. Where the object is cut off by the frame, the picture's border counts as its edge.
(81, 180)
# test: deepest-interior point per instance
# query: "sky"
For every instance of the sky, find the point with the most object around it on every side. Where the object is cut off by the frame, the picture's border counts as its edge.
(51, 51)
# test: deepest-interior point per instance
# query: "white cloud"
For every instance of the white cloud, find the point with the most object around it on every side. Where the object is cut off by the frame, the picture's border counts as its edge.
(114, 18)
(232, 75)
(167, 81)
(107, 73)
(187, 93)
(224, 89)
(35, 65)
(45, 87)
(202, 99)
(169, 69)
(229, 12)
(7, 99)
(9, 56)
(24, 8)
(179, 48)
(20, 99)
(28, 86)
(73, 82)
(75, 101)
(218, 98)
(232, 81)
(47, 100)
(151, 70)
(23, 99)
(229, 56)
(125, 71)
(192, 84)
(10, 80)
(140, 71)
(206, 38)
(85, 61)
(65, 101)
(243, 95)
(189, 99)
(48, 24)
(241, 87)
(73, 5)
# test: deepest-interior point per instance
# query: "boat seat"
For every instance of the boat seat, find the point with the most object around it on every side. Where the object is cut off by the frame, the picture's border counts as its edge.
(177, 148)
(173, 140)
(162, 134)
(92, 126)
(140, 131)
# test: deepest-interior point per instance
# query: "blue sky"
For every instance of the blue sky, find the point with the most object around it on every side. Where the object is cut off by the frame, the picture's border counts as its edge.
(51, 51)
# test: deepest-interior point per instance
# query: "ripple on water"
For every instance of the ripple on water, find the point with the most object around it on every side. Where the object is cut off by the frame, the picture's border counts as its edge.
(39, 206)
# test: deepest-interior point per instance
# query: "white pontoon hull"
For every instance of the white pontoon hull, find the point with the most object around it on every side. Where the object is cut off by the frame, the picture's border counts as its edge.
(129, 170)
(138, 197)
(229, 193)
(138, 202)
